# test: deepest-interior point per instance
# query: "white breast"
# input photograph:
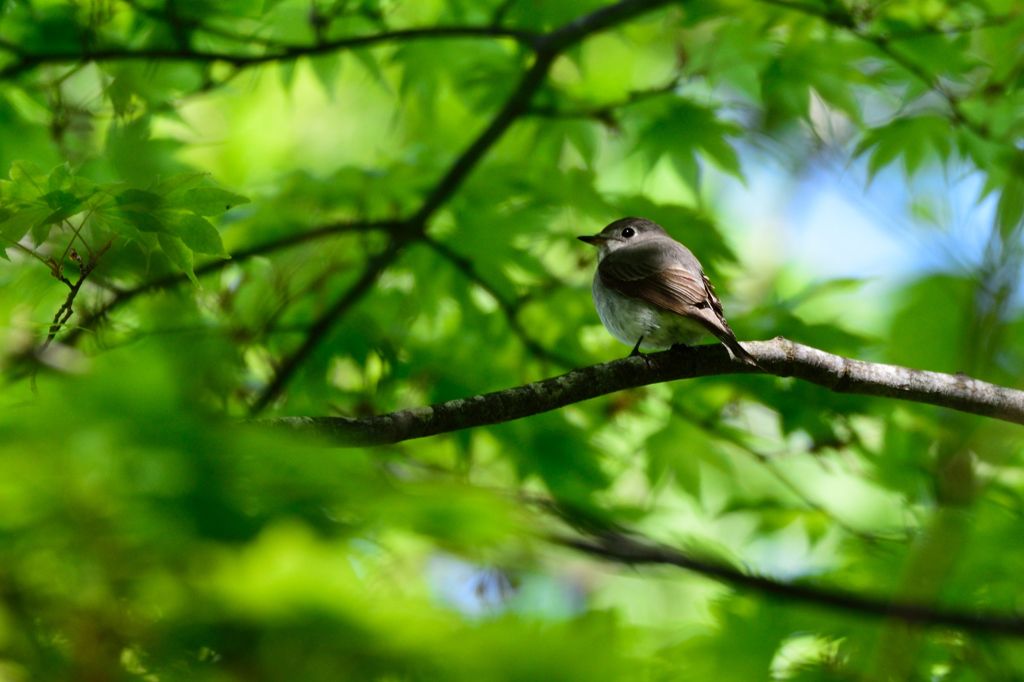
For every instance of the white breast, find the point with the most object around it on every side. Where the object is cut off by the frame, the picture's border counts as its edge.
(627, 319)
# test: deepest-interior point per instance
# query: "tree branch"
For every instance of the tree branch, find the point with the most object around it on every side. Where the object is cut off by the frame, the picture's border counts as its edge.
(779, 356)
(516, 106)
(595, 22)
(509, 308)
(839, 16)
(546, 48)
(326, 321)
(123, 296)
(65, 311)
(604, 112)
(28, 60)
(624, 549)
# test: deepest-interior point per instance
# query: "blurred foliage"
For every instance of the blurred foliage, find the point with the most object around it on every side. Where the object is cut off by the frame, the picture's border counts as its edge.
(262, 207)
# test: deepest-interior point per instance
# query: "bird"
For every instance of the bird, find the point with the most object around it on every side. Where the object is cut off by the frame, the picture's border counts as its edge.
(652, 291)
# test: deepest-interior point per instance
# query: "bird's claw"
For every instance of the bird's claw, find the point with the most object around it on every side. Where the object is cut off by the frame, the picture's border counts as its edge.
(636, 352)
(636, 348)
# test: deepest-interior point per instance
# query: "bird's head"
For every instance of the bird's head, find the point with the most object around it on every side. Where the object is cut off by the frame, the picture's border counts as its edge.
(622, 233)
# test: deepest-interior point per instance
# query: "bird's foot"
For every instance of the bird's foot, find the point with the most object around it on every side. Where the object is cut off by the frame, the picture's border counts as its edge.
(636, 348)
(636, 351)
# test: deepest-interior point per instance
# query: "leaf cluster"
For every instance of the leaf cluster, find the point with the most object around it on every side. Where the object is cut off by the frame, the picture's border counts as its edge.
(170, 215)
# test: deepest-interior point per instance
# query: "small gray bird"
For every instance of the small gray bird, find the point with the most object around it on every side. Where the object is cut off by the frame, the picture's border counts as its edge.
(650, 290)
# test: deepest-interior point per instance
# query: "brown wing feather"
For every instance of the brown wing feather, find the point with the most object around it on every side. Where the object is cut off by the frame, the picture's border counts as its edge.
(680, 291)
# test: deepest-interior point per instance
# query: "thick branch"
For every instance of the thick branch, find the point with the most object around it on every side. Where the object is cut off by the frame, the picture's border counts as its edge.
(778, 356)
(624, 549)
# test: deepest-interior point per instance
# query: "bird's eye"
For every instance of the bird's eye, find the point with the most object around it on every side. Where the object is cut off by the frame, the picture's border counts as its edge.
(628, 232)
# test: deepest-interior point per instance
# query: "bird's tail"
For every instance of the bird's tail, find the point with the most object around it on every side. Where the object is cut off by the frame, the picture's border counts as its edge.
(737, 351)
(713, 320)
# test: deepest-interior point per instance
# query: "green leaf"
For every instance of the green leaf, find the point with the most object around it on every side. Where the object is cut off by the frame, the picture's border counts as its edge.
(29, 178)
(63, 205)
(146, 222)
(61, 201)
(4, 215)
(369, 61)
(326, 67)
(941, 54)
(138, 200)
(286, 70)
(177, 184)
(118, 224)
(210, 201)
(916, 139)
(82, 187)
(120, 93)
(8, 190)
(126, 211)
(178, 254)
(197, 232)
(41, 230)
(59, 178)
(928, 332)
(686, 127)
(1011, 207)
(18, 225)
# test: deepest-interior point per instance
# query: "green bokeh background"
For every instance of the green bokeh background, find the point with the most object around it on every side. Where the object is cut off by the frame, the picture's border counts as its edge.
(146, 534)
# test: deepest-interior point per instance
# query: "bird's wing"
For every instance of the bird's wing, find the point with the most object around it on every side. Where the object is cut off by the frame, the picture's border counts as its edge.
(683, 291)
(670, 288)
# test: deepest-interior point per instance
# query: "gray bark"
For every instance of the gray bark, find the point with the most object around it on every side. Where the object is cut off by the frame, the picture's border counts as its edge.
(779, 356)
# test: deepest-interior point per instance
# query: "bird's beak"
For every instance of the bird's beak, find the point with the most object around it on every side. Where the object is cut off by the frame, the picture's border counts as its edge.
(594, 240)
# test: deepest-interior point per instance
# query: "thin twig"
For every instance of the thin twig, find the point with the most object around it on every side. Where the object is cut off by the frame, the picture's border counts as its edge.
(65, 311)
(604, 112)
(29, 60)
(27, 250)
(123, 296)
(715, 429)
(627, 550)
